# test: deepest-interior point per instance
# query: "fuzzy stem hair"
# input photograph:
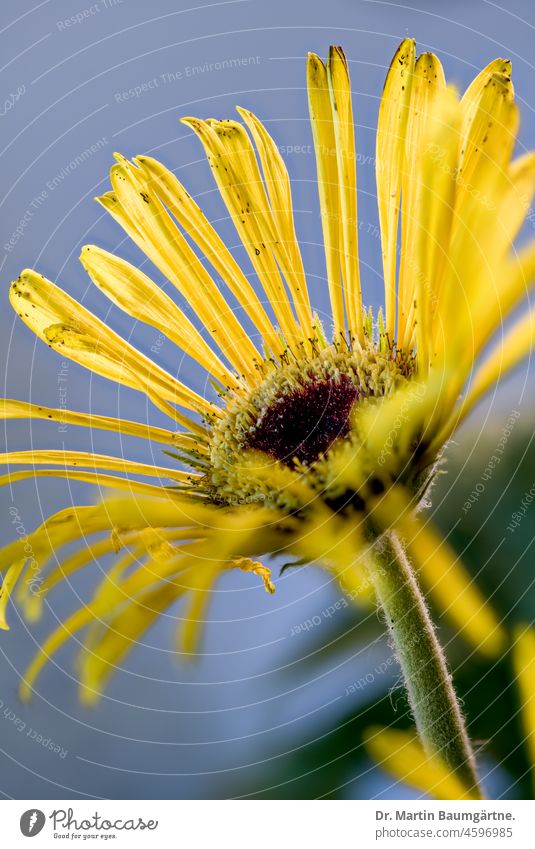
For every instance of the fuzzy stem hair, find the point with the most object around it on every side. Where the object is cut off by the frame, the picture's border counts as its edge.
(432, 698)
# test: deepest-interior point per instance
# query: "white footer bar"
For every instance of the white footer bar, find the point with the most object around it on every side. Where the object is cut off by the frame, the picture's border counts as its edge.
(269, 824)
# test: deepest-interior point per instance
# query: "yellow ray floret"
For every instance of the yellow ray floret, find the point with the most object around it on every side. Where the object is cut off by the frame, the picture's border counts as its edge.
(97, 478)
(137, 295)
(517, 277)
(279, 194)
(321, 120)
(88, 460)
(472, 96)
(138, 209)
(198, 228)
(402, 755)
(452, 588)
(124, 598)
(344, 137)
(236, 172)
(11, 409)
(524, 667)
(390, 152)
(72, 330)
(514, 346)
(428, 86)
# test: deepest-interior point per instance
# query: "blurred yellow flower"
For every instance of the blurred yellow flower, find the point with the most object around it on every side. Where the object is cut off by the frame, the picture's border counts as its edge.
(524, 667)
(401, 754)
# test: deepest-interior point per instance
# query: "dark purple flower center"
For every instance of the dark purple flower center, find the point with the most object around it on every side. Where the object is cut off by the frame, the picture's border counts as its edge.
(305, 423)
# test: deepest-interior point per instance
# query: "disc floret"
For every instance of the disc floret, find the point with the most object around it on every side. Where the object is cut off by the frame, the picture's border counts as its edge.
(296, 416)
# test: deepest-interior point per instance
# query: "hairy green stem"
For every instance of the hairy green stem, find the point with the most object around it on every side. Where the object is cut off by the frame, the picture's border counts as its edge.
(439, 721)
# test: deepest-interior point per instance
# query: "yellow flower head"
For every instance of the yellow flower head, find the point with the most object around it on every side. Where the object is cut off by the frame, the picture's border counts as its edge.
(312, 440)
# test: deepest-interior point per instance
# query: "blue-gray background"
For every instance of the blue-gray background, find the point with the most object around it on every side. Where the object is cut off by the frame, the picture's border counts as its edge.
(166, 728)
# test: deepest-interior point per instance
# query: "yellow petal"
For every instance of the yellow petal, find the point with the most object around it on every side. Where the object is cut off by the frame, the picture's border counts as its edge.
(200, 586)
(490, 132)
(59, 529)
(137, 542)
(70, 626)
(513, 277)
(476, 250)
(194, 615)
(518, 198)
(482, 178)
(140, 212)
(390, 149)
(31, 598)
(281, 208)
(472, 97)
(250, 196)
(402, 755)
(428, 86)
(111, 638)
(12, 409)
(111, 595)
(73, 331)
(94, 611)
(435, 218)
(96, 478)
(101, 655)
(11, 577)
(62, 528)
(178, 569)
(231, 157)
(452, 589)
(344, 137)
(514, 346)
(524, 667)
(137, 295)
(199, 229)
(248, 565)
(321, 120)
(89, 460)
